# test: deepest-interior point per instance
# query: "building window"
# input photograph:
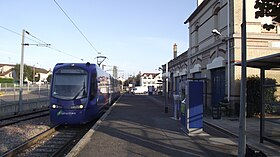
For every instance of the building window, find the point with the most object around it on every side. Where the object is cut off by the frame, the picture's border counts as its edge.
(216, 10)
(216, 21)
(196, 41)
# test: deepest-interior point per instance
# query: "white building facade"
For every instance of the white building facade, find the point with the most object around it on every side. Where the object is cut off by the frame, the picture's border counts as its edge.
(6, 70)
(151, 79)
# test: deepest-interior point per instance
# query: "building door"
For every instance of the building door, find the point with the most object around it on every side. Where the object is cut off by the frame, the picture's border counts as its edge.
(218, 85)
(177, 85)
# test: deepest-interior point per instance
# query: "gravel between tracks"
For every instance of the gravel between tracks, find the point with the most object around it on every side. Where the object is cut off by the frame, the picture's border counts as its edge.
(13, 135)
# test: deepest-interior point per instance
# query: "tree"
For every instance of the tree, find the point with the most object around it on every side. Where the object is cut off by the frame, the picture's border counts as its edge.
(129, 80)
(268, 8)
(133, 79)
(27, 72)
(138, 79)
(37, 77)
(49, 78)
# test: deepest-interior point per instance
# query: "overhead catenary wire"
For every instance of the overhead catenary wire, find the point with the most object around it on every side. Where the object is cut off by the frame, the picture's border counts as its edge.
(37, 38)
(14, 32)
(10, 30)
(40, 43)
(76, 27)
(54, 48)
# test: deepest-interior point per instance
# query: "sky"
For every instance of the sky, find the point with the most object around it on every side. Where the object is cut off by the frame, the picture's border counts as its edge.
(134, 35)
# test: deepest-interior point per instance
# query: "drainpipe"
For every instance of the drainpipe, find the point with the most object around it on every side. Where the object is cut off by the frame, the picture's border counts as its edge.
(228, 53)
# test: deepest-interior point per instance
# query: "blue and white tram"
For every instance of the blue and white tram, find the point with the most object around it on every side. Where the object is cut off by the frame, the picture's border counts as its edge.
(79, 91)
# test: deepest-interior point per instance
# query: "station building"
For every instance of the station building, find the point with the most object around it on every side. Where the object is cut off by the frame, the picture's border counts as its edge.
(215, 48)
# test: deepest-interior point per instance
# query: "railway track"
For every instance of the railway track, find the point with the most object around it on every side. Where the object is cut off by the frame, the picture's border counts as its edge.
(56, 141)
(218, 131)
(23, 117)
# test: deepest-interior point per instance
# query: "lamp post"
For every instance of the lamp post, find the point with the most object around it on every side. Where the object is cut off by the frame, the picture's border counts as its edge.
(225, 39)
(243, 104)
(166, 89)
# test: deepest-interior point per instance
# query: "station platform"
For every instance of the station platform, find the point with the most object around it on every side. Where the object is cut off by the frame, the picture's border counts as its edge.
(230, 125)
(137, 126)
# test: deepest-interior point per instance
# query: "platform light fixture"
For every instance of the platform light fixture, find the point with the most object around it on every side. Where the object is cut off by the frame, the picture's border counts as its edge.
(216, 32)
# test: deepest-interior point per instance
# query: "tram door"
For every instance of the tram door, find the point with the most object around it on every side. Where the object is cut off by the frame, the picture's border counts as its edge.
(218, 85)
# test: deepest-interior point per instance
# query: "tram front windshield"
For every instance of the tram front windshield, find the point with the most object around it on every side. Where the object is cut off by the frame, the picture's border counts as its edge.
(70, 83)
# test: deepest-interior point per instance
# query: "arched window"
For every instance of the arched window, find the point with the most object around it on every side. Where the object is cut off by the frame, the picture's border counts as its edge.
(216, 10)
(196, 42)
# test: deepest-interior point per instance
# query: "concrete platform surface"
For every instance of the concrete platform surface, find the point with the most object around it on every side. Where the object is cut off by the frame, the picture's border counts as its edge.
(137, 126)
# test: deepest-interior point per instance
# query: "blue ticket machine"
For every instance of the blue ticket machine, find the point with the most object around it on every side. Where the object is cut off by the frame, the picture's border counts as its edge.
(194, 106)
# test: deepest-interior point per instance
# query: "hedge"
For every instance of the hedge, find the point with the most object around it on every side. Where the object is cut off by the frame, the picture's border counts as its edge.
(6, 80)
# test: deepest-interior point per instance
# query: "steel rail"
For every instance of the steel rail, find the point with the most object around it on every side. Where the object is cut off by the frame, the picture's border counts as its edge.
(24, 114)
(23, 119)
(29, 143)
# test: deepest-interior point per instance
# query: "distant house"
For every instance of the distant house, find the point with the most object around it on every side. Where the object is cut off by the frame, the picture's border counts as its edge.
(7, 71)
(151, 79)
(43, 73)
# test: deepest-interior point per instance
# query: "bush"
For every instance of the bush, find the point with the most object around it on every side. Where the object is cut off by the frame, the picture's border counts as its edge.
(6, 80)
(254, 94)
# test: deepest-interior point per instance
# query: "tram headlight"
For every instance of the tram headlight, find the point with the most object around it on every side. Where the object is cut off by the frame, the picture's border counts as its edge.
(81, 106)
(54, 106)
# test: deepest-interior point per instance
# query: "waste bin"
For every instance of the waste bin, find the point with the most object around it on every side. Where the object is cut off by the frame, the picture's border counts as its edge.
(216, 112)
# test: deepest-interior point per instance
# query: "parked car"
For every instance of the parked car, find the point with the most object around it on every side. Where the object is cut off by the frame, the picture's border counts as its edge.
(140, 90)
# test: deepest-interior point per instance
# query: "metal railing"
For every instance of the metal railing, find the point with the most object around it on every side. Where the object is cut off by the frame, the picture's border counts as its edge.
(35, 96)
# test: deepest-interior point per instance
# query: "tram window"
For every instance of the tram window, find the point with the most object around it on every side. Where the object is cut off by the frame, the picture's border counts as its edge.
(93, 84)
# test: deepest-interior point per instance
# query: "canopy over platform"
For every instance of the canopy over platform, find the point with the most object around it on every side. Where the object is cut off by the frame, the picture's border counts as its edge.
(270, 62)
(266, 62)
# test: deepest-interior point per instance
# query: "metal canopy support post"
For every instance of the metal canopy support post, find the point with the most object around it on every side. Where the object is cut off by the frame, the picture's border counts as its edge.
(242, 118)
(262, 105)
